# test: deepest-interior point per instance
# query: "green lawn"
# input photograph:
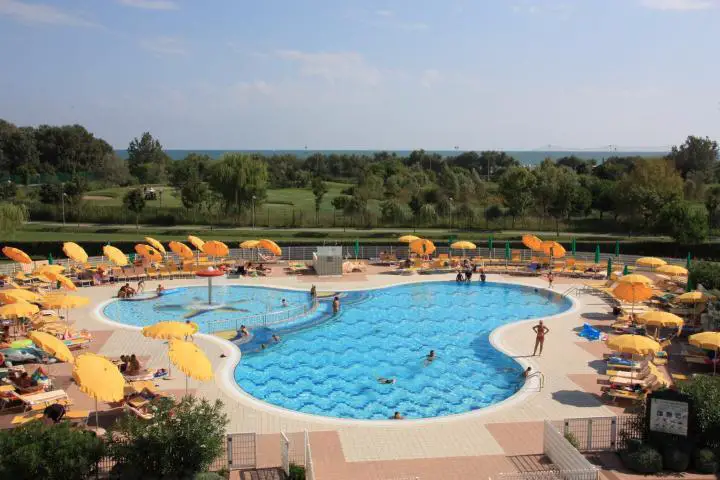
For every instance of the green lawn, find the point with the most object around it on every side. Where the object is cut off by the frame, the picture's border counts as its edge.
(115, 196)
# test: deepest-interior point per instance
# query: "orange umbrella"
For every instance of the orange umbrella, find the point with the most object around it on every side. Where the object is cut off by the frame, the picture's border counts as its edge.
(532, 242)
(115, 255)
(422, 246)
(632, 292)
(180, 249)
(553, 249)
(148, 252)
(215, 248)
(197, 242)
(75, 252)
(156, 245)
(270, 246)
(16, 255)
(61, 279)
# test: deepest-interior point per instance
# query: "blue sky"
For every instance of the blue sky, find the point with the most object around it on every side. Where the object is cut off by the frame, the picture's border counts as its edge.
(386, 74)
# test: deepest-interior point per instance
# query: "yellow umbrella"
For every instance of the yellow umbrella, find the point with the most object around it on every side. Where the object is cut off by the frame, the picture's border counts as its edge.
(632, 292)
(75, 252)
(64, 301)
(708, 341)
(635, 279)
(16, 255)
(249, 244)
(19, 309)
(269, 245)
(156, 245)
(98, 378)
(169, 330)
(634, 344)
(463, 245)
(190, 360)
(422, 246)
(180, 249)
(659, 318)
(12, 295)
(408, 238)
(115, 255)
(651, 262)
(532, 242)
(148, 252)
(692, 297)
(47, 269)
(673, 270)
(196, 242)
(62, 279)
(52, 345)
(553, 249)
(215, 248)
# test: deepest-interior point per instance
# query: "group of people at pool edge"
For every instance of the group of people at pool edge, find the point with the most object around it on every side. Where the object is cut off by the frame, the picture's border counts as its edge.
(466, 272)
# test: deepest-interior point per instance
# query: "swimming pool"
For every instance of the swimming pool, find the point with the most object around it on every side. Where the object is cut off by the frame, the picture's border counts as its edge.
(230, 302)
(332, 368)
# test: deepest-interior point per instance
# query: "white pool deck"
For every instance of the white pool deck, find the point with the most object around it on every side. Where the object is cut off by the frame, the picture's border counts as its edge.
(453, 436)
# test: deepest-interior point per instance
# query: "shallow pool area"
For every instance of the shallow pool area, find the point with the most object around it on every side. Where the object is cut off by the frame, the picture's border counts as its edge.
(331, 366)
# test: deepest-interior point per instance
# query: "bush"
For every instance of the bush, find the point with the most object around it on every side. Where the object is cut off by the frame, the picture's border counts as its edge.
(208, 476)
(55, 452)
(296, 472)
(180, 440)
(644, 460)
(705, 461)
(572, 440)
(706, 273)
(675, 459)
(705, 393)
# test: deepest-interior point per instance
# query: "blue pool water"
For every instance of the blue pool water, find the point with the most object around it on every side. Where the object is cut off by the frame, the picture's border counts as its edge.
(331, 368)
(230, 303)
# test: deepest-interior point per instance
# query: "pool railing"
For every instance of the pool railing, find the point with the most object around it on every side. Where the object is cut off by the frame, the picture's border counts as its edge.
(263, 319)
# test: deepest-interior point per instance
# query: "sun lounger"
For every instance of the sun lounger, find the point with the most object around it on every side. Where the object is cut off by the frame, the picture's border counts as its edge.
(75, 416)
(137, 412)
(147, 375)
(628, 374)
(39, 400)
(646, 382)
(78, 343)
(590, 332)
(634, 396)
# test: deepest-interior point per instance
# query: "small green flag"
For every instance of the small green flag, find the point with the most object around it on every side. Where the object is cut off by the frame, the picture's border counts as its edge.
(357, 248)
(609, 267)
(50, 258)
(689, 287)
(490, 242)
(573, 247)
(626, 270)
(507, 251)
(689, 261)
(597, 253)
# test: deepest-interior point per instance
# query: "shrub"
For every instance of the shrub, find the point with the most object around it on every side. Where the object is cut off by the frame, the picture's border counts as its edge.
(705, 461)
(208, 476)
(296, 472)
(705, 273)
(572, 440)
(705, 393)
(180, 440)
(644, 460)
(55, 452)
(675, 458)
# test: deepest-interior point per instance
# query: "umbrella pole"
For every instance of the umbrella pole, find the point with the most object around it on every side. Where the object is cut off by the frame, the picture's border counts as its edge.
(186, 385)
(97, 422)
(168, 376)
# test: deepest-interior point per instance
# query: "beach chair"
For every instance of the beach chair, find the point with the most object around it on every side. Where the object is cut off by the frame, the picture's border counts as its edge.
(589, 332)
(74, 416)
(624, 394)
(37, 401)
(146, 375)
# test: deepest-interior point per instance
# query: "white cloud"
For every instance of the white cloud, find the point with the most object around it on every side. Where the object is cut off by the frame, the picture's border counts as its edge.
(430, 77)
(39, 13)
(680, 4)
(151, 4)
(164, 45)
(333, 66)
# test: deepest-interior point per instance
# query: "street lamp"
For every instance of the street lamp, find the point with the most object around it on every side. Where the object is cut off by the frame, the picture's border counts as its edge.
(253, 212)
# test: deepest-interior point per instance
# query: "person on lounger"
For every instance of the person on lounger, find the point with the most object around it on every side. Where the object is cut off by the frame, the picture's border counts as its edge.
(133, 367)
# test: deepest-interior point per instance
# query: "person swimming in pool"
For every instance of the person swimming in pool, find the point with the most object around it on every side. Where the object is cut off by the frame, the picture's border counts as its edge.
(276, 338)
(397, 416)
(430, 357)
(386, 381)
(284, 303)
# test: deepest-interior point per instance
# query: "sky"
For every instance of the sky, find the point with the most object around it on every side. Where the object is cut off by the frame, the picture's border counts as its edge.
(366, 74)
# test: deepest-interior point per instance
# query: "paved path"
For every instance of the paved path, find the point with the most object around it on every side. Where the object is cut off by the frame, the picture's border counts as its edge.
(464, 435)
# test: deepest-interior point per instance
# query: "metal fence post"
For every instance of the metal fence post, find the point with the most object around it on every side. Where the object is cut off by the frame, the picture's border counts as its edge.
(589, 433)
(613, 434)
(229, 451)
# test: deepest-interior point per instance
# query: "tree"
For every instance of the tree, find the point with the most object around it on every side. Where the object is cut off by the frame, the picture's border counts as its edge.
(705, 393)
(134, 201)
(356, 206)
(112, 170)
(239, 179)
(8, 190)
(193, 194)
(179, 441)
(614, 168)
(577, 164)
(50, 193)
(53, 452)
(516, 187)
(682, 221)
(651, 184)
(427, 214)
(194, 167)
(466, 213)
(147, 160)
(581, 201)
(492, 213)
(564, 195)
(319, 189)
(696, 154)
(12, 217)
(712, 202)
(394, 212)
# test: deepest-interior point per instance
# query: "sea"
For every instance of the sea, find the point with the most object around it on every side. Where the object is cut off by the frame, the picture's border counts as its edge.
(525, 157)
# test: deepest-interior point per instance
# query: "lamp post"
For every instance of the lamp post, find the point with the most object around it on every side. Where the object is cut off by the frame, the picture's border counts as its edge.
(253, 212)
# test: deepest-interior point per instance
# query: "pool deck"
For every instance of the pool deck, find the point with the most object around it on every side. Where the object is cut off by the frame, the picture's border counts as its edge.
(347, 448)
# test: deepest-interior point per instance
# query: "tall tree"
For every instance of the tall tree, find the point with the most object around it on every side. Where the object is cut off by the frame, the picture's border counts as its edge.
(682, 221)
(134, 201)
(651, 184)
(147, 160)
(696, 154)
(193, 194)
(516, 187)
(712, 202)
(240, 180)
(319, 189)
(12, 217)
(394, 212)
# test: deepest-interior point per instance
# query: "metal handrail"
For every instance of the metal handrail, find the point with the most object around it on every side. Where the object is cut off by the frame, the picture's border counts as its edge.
(265, 319)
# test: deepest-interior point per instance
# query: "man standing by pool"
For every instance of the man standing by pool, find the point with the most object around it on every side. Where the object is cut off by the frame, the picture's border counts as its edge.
(540, 331)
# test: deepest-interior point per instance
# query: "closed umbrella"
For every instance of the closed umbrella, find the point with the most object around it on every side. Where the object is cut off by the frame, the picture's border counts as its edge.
(16, 255)
(573, 247)
(689, 261)
(116, 256)
(148, 252)
(215, 248)
(156, 245)
(626, 270)
(609, 267)
(270, 246)
(98, 378)
(13, 295)
(197, 242)
(51, 345)
(190, 360)
(508, 256)
(617, 248)
(597, 254)
(181, 250)
(50, 259)
(75, 252)
(708, 341)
